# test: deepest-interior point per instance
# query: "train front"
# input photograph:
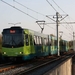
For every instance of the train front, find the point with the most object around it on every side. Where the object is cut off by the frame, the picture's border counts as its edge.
(12, 42)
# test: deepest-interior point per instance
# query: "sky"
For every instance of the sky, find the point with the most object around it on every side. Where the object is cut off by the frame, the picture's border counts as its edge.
(26, 18)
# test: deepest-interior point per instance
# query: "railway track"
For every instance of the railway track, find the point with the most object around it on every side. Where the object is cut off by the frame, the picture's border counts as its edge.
(43, 68)
(18, 69)
(7, 69)
(4, 64)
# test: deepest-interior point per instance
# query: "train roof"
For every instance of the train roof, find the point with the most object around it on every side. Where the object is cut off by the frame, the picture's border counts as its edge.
(36, 33)
(31, 31)
(13, 27)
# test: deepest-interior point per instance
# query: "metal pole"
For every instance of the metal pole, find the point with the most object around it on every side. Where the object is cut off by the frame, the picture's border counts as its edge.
(57, 30)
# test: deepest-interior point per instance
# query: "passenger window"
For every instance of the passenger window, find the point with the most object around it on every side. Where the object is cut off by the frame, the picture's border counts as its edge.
(26, 39)
(47, 42)
(40, 40)
(31, 42)
(35, 40)
(51, 42)
(44, 41)
(55, 42)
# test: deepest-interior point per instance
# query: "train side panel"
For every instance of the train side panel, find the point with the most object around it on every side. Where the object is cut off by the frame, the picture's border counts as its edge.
(53, 47)
(29, 49)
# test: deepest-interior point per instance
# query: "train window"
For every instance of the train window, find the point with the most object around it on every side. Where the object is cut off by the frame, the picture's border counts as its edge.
(31, 42)
(64, 43)
(61, 43)
(55, 42)
(39, 40)
(51, 42)
(45, 41)
(71, 43)
(35, 40)
(26, 39)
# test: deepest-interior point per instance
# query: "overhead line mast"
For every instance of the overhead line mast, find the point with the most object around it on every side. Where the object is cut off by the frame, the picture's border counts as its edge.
(57, 16)
(57, 30)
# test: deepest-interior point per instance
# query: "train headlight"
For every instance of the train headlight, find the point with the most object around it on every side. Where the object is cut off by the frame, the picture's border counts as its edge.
(20, 52)
(4, 52)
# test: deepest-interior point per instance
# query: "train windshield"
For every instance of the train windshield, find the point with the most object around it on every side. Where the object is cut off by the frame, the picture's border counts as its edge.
(13, 37)
(12, 40)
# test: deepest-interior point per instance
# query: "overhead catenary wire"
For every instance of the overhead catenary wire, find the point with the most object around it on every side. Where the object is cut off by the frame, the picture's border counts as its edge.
(23, 12)
(59, 7)
(51, 5)
(28, 8)
(56, 10)
(59, 23)
(51, 27)
(67, 26)
(62, 10)
(69, 29)
(64, 33)
(71, 25)
(67, 35)
(33, 11)
(19, 10)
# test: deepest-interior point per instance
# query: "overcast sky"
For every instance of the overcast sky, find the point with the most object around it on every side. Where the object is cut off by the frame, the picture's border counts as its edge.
(9, 15)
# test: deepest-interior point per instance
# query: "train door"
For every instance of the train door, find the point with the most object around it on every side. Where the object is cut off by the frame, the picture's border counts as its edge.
(32, 45)
(27, 51)
(26, 44)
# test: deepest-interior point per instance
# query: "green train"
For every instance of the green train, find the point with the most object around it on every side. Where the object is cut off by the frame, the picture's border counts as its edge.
(28, 44)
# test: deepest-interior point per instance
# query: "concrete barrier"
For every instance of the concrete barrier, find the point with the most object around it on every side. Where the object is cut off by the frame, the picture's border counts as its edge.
(64, 68)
